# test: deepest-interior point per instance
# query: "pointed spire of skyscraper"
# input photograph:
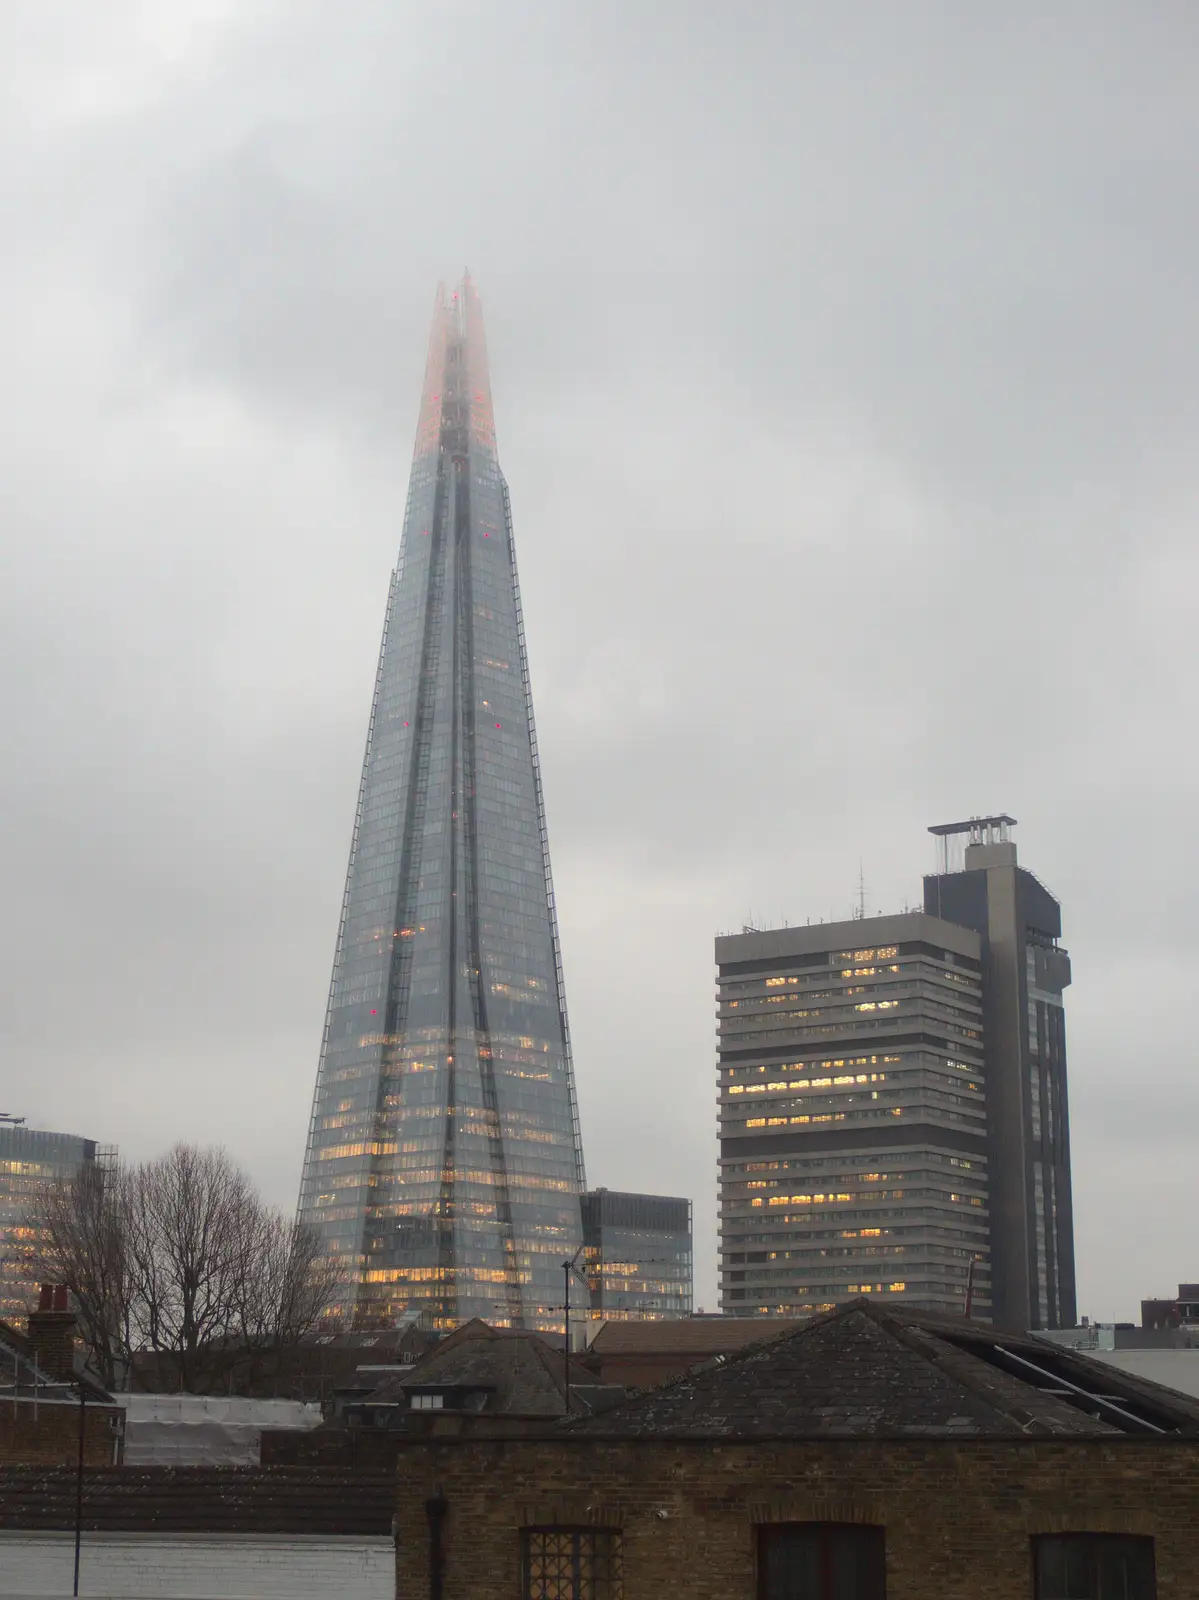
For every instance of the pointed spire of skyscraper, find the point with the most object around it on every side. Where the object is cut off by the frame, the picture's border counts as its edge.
(444, 1163)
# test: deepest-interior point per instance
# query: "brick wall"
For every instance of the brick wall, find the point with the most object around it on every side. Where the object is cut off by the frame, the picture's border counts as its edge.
(201, 1567)
(360, 1449)
(200, 1500)
(958, 1516)
(43, 1434)
(640, 1370)
(51, 1335)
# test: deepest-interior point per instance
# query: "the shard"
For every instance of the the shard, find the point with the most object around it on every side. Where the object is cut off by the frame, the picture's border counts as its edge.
(444, 1164)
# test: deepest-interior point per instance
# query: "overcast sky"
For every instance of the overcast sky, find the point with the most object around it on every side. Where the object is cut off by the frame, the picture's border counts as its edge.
(846, 369)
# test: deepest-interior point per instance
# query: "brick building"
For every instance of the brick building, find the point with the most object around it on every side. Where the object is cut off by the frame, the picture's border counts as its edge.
(641, 1353)
(872, 1453)
(44, 1402)
(1181, 1312)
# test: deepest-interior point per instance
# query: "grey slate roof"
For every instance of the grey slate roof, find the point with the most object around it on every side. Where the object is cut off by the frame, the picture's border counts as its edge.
(526, 1375)
(863, 1371)
(21, 1377)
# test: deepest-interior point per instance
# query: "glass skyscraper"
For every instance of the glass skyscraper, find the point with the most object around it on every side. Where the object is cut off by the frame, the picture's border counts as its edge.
(444, 1164)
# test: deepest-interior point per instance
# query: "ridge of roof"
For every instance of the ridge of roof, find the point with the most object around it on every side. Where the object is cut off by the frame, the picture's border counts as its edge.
(476, 1328)
(1002, 1391)
(1146, 1389)
(556, 1363)
(888, 1373)
(954, 1335)
(646, 1394)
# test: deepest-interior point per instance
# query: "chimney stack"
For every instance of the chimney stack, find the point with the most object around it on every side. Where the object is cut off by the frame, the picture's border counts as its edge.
(51, 1334)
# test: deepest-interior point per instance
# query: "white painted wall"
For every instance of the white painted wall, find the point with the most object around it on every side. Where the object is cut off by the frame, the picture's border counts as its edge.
(205, 1430)
(1177, 1369)
(146, 1566)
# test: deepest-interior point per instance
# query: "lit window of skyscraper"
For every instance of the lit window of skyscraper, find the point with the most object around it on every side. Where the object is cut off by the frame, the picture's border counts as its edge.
(444, 1164)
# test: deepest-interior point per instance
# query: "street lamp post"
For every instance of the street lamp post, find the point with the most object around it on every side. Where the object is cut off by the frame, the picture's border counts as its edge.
(568, 1268)
(79, 1481)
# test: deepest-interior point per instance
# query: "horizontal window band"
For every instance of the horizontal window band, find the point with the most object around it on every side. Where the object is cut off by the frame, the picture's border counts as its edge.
(825, 958)
(850, 1044)
(900, 1137)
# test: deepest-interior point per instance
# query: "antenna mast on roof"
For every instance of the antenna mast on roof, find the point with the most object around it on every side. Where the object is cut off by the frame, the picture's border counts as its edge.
(974, 831)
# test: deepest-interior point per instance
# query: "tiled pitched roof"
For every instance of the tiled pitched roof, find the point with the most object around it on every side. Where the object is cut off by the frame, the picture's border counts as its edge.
(864, 1371)
(526, 1374)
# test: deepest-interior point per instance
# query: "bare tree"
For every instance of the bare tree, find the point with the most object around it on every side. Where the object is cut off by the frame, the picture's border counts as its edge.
(78, 1237)
(194, 1230)
(181, 1258)
(301, 1281)
(287, 1294)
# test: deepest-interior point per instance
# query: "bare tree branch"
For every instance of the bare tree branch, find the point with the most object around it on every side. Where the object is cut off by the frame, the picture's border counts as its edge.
(180, 1257)
(79, 1238)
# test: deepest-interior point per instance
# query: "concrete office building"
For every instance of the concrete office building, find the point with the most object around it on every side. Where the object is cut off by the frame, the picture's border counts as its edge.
(637, 1254)
(893, 1103)
(852, 1116)
(1025, 972)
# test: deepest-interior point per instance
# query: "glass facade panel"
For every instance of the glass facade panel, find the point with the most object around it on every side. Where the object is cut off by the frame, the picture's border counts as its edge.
(638, 1255)
(444, 1164)
(30, 1160)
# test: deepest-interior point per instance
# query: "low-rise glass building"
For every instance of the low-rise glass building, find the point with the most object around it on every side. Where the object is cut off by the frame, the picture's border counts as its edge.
(638, 1254)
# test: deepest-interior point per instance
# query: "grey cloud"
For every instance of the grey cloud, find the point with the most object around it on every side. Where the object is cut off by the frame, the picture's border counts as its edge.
(844, 366)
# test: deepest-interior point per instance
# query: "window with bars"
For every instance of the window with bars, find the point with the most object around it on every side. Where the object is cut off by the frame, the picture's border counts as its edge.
(821, 1561)
(1093, 1566)
(572, 1564)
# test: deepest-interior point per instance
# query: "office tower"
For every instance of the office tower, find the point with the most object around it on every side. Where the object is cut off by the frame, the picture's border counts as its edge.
(853, 1151)
(893, 1102)
(1025, 971)
(444, 1164)
(638, 1255)
(30, 1160)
